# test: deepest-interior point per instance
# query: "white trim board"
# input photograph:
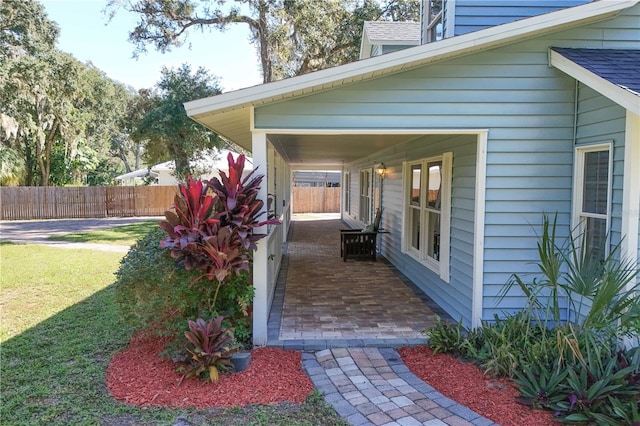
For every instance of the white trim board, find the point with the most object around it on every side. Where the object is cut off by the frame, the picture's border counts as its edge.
(631, 187)
(478, 231)
(369, 131)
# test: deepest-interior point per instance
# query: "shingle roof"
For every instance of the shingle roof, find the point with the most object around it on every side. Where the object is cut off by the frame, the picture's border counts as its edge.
(392, 31)
(619, 67)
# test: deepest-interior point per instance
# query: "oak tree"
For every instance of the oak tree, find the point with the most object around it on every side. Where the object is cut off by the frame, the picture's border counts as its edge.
(292, 37)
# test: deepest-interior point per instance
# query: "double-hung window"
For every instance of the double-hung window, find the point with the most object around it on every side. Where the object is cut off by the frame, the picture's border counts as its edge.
(346, 183)
(365, 195)
(592, 199)
(427, 206)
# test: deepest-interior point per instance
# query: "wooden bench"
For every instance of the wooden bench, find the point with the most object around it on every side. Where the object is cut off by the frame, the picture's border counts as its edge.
(360, 243)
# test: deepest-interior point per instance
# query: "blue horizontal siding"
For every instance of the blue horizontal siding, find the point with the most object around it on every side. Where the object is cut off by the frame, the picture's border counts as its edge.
(601, 120)
(455, 296)
(474, 15)
(528, 108)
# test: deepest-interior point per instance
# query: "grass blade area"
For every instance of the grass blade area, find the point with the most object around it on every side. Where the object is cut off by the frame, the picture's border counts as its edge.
(60, 328)
(124, 235)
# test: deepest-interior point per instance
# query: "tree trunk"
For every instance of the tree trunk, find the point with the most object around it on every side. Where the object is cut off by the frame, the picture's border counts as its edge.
(262, 32)
(138, 154)
(30, 165)
(44, 158)
(182, 162)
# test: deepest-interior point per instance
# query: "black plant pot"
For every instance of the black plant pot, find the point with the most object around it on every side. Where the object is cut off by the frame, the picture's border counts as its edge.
(240, 361)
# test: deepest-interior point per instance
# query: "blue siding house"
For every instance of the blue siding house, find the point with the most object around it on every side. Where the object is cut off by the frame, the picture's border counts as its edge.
(480, 133)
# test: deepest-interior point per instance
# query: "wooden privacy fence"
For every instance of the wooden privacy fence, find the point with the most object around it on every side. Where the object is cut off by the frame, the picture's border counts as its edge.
(316, 200)
(29, 202)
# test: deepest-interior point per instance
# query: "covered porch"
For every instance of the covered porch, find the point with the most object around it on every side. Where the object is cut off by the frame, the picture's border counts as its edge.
(322, 302)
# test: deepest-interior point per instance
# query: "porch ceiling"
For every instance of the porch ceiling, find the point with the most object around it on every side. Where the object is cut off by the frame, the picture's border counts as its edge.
(332, 151)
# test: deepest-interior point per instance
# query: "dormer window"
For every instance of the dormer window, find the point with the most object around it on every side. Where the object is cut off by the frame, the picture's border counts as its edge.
(432, 20)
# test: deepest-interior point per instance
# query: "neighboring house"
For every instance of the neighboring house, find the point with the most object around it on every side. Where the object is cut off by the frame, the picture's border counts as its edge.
(163, 174)
(134, 178)
(480, 134)
(379, 37)
(306, 178)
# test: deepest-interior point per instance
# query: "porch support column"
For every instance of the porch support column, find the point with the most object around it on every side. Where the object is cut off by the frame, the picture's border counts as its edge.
(260, 256)
(631, 197)
(477, 292)
(631, 187)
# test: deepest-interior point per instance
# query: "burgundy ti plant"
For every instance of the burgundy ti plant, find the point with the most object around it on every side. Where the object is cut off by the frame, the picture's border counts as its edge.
(210, 348)
(212, 223)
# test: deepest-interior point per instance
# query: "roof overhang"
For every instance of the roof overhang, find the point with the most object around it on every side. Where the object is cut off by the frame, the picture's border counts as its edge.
(623, 97)
(231, 114)
(134, 174)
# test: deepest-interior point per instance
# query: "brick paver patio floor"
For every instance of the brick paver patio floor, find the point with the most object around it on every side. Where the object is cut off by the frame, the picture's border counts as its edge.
(326, 298)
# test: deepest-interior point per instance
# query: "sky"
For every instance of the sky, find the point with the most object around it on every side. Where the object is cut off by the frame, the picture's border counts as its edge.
(86, 33)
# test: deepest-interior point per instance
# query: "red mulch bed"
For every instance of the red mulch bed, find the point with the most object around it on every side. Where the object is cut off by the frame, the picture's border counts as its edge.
(465, 383)
(138, 376)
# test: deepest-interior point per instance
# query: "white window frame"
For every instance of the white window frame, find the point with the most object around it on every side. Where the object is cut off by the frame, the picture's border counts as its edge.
(440, 266)
(346, 183)
(578, 223)
(365, 174)
(433, 21)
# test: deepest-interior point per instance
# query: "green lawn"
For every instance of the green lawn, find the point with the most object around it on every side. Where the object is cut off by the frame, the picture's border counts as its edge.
(124, 235)
(59, 328)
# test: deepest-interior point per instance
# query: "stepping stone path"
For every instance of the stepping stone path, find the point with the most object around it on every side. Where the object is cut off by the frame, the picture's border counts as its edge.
(372, 386)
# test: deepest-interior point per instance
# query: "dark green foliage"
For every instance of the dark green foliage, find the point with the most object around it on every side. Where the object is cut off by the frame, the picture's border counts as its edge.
(447, 337)
(104, 173)
(606, 391)
(291, 37)
(151, 291)
(164, 124)
(540, 386)
(210, 347)
(566, 363)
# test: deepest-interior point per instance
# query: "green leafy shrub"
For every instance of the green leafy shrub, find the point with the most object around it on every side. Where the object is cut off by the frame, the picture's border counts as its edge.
(210, 346)
(540, 387)
(208, 236)
(446, 337)
(563, 349)
(152, 291)
(604, 391)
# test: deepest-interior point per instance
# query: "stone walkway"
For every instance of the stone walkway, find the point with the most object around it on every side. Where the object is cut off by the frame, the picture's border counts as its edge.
(322, 302)
(348, 317)
(371, 386)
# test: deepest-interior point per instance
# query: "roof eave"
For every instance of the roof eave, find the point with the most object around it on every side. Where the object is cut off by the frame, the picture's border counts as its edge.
(617, 94)
(405, 59)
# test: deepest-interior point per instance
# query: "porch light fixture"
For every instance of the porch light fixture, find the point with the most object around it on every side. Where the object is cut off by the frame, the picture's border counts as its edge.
(380, 169)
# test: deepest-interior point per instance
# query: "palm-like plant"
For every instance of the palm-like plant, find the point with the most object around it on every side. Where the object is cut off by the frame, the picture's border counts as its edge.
(602, 304)
(601, 295)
